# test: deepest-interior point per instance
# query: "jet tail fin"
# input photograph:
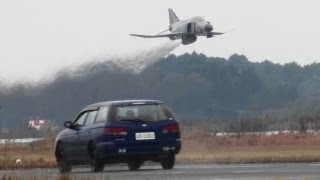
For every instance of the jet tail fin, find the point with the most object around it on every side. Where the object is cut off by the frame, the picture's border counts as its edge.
(173, 17)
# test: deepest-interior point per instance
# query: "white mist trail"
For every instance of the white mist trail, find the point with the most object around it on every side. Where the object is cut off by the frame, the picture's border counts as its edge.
(140, 60)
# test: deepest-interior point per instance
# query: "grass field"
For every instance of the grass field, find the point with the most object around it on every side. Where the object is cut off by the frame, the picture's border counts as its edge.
(36, 155)
(201, 148)
(197, 148)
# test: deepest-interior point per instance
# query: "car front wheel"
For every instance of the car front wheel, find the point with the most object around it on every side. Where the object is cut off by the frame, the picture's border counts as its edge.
(96, 163)
(63, 163)
(134, 165)
(168, 162)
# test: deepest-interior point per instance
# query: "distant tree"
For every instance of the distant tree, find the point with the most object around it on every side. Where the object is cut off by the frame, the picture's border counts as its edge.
(193, 85)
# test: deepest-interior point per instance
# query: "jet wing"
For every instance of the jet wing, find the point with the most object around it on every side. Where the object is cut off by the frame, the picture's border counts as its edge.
(159, 36)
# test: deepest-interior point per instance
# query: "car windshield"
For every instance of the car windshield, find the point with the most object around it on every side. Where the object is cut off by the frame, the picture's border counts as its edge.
(142, 113)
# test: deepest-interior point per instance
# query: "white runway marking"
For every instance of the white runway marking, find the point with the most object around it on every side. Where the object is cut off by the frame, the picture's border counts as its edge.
(249, 171)
(314, 164)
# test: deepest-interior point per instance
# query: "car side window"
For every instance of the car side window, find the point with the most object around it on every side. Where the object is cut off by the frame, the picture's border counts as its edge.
(81, 120)
(91, 117)
(102, 114)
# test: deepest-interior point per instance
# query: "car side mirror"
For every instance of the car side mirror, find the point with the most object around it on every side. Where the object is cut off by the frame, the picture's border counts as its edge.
(68, 124)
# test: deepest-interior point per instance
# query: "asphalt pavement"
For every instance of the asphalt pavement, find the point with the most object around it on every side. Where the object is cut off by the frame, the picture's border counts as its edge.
(194, 172)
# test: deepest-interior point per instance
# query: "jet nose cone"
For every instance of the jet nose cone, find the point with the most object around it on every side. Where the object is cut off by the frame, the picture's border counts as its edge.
(208, 27)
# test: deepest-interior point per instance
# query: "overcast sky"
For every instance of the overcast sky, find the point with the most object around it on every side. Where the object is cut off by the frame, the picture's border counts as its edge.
(38, 37)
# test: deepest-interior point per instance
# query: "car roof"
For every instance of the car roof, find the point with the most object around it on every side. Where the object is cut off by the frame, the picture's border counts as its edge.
(121, 102)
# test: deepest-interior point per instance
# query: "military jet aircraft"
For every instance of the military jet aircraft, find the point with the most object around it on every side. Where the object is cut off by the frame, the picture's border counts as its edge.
(187, 30)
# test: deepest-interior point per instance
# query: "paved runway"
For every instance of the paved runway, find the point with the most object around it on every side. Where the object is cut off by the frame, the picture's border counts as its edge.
(197, 172)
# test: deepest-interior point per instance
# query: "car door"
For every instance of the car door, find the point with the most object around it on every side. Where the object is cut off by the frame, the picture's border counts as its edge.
(72, 144)
(85, 134)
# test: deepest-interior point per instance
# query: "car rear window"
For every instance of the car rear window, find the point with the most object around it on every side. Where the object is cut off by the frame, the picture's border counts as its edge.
(142, 113)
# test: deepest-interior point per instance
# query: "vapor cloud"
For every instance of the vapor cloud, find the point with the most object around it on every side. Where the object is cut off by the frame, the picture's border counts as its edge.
(133, 63)
(140, 60)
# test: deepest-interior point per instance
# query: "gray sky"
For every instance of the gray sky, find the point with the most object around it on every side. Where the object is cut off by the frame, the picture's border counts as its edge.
(38, 37)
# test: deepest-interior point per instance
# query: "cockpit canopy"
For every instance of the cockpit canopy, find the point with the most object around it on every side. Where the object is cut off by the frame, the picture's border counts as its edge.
(198, 18)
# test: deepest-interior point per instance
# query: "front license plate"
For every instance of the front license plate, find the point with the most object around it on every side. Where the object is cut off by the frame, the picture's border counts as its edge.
(145, 136)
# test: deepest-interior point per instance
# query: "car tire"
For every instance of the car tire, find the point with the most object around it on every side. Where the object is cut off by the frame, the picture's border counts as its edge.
(64, 164)
(134, 165)
(168, 162)
(96, 164)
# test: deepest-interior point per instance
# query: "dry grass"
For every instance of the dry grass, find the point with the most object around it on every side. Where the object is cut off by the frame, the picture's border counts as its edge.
(36, 155)
(197, 148)
(252, 155)
(202, 148)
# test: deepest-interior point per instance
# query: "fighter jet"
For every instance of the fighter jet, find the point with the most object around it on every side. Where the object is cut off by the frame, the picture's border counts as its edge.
(186, 30)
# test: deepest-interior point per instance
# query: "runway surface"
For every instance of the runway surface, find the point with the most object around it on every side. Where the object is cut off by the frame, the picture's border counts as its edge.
(239, 171)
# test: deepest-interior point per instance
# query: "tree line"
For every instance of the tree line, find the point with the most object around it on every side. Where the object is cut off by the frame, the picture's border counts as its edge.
(193, 85)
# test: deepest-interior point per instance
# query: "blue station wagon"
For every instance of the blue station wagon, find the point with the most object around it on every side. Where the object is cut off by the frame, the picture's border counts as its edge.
(129, 131)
